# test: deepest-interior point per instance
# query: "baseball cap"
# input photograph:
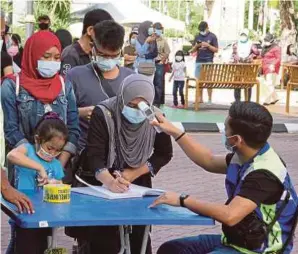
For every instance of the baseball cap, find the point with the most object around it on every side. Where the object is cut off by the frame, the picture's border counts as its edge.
(203, 26)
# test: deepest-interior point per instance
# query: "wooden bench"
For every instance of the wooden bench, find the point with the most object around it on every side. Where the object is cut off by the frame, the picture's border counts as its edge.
(293, 82)
(225, 76)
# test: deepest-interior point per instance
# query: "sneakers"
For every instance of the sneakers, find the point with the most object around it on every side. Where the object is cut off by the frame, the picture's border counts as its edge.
(179, 107)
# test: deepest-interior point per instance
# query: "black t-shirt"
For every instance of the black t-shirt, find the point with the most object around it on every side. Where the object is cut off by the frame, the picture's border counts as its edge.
(72, 56)
(6, 60)
(260, 186)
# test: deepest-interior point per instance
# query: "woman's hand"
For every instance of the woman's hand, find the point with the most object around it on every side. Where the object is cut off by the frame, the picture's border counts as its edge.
(168, 198)
(150, 39)
(166, 126)
(118, 185)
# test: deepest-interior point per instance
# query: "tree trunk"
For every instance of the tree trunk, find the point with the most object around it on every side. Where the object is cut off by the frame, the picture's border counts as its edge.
(287, 20)
(251, 15)
(209, 5)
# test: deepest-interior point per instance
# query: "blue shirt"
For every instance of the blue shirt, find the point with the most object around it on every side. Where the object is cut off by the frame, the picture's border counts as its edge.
(205, 55)
(26, 177)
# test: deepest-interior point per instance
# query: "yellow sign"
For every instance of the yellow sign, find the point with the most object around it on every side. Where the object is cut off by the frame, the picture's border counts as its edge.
(56, 193)
(56, 251)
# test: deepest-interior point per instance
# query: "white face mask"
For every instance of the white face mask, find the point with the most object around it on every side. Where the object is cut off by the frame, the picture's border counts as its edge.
(179, 58)
(243, 38)
(48, 69)
(267, 43)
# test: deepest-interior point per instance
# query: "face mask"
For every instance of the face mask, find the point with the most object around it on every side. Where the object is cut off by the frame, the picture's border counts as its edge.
(133, 42)
(231, 148)
(44, 154)
(133, 115)
(43, 26)
(158, 32)
(179, 58)
(48, 69)
(267, 43)
(243, 38)
(13, 50)
(106, 64)
(150, 31)
(203, 32)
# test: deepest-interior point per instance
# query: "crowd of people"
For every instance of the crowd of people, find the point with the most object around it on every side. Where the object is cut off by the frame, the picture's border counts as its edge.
(73, 109)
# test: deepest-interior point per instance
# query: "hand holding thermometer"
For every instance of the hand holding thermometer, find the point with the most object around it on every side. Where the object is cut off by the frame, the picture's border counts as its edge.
(149, 113)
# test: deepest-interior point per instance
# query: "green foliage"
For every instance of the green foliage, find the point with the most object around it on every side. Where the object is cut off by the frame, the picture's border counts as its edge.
(58, 11)
(196, 14)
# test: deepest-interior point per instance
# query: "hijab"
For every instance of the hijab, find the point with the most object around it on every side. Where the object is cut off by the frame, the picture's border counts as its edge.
(132, 143)
(45, 90)
(143, 31)
(268, 38)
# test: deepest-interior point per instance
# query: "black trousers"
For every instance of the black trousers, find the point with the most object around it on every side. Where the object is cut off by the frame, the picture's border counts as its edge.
(106, 239)
(31, 240)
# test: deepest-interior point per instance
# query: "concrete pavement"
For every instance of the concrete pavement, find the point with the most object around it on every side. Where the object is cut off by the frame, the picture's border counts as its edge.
(182, 175)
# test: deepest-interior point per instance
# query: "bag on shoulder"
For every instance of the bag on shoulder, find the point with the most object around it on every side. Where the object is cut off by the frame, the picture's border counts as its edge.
(146, 68)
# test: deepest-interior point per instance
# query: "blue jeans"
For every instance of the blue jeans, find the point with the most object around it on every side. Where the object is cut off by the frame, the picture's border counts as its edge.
(178, 85)
(12, 242)
(158, 84)
(201, 244)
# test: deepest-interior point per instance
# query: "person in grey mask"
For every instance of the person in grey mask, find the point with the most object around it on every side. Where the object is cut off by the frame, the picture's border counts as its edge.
(120, 138)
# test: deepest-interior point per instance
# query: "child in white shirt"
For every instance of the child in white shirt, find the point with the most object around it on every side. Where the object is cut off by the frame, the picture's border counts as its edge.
(179, 73)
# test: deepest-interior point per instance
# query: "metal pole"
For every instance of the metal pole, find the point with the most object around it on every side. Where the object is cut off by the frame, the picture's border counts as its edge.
(29, 26)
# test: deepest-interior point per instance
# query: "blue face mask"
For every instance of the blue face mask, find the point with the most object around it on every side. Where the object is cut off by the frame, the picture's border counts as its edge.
(133, 115)
(158, 32)
(48, 69)
(106, 64)
(133, 41)
(228, 146)
(150, 31)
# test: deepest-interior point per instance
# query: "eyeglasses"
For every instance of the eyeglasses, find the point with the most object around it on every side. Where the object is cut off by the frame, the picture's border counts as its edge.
(104, 55)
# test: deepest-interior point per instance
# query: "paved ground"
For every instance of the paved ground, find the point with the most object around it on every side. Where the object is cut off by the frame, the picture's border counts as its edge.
(183, 176)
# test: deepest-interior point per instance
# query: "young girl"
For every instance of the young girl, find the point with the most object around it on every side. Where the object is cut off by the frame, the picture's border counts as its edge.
(36, 165)
(179, 73)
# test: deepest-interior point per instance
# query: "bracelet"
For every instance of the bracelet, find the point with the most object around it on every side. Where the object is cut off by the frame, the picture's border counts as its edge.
(98, 171)
(180, 136)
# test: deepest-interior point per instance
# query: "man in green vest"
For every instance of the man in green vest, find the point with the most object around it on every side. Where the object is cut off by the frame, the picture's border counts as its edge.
(260, 212)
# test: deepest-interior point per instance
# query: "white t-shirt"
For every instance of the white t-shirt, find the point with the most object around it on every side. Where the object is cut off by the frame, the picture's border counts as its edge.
(178, 70)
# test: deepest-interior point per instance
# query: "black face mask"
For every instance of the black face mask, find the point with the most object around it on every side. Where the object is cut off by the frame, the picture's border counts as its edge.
(44, 26)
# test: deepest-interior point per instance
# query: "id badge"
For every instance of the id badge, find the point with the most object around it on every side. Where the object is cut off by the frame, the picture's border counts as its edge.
(55, 251)
(47, 108)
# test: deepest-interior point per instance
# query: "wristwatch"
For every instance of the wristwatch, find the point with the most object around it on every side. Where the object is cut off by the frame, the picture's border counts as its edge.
(182, 198)
(151, 169)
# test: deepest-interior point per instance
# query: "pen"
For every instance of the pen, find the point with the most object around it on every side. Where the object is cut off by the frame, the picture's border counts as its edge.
(118, 174)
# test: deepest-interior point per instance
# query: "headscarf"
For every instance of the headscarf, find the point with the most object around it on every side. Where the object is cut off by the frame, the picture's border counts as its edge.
(143, 31)
(45, 90)
(133, 142)
(268, 38)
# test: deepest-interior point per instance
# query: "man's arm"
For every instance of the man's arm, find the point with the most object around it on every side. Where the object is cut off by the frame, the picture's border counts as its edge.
(198, 153)
(15, 197)
(229, 215)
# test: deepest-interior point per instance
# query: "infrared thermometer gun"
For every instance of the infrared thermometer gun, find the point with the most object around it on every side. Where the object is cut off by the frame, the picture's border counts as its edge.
(149, 113)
